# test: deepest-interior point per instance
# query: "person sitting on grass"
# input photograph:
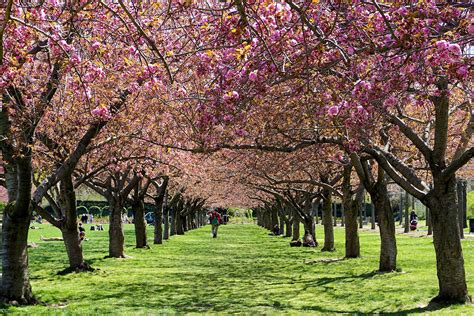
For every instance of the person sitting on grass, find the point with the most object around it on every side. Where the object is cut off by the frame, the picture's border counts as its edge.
(308, 240)
(82, 232)
(276, 230)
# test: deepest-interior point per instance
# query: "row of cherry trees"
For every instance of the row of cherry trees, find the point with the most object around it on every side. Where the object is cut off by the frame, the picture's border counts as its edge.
(326, 98)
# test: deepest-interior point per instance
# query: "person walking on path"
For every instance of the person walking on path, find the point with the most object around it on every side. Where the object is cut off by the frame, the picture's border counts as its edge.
(215, 222)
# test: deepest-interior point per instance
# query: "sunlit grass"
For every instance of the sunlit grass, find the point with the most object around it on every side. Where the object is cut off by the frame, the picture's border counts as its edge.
(243, 271)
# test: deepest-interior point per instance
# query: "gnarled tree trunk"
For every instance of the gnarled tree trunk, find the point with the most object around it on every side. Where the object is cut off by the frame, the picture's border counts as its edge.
(140, 224)
(159, 235)
(16, 221)
(15, 280)
(282, 225)
(351, 210)
(296, 230)
(69, 229)
(288, 232)
(179, 224)
(388, 242)
(116, 235)
(446, 238)
(310, 227)
(166, 223)
(172, 221)
(351, 231)
(327, 222)
(73, 248)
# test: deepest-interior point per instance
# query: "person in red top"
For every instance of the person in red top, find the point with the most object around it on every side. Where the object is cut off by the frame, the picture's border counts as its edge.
(215, 220)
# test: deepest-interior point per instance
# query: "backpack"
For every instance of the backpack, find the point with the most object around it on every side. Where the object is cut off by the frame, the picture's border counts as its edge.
(215, 221)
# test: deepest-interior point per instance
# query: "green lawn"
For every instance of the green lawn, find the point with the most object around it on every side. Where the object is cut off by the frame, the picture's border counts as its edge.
(242, 271)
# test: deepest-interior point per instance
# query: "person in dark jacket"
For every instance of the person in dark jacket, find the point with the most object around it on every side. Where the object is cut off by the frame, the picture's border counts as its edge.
(215, 220)
(276, 230)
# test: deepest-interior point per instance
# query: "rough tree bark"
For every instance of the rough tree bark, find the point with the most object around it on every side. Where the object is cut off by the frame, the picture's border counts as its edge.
(428, 221)
(406, 227)
(327, 221)
(461, 213)
(172, 221)
(69, 228)
(166, 222)
(350, 215)
(296, 230)
(388, 242)
(288, 225)
(282, 224)
(140, 224)
(379, 196)
(179, 225)
(446, 239)
(116, 235)
(15, 279)
(372, 216)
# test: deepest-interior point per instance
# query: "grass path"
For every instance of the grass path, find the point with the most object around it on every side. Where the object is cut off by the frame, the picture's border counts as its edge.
(242, 271)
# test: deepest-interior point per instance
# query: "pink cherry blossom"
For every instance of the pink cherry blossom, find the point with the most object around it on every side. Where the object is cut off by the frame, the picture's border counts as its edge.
(470, 30)
(333, 110)
(95, 45)
(102, 112)
(462, 71)
(441, 45)
(253, 76)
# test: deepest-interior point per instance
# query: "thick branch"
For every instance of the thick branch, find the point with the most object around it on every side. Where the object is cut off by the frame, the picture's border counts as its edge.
(413, 137)
(458, 163)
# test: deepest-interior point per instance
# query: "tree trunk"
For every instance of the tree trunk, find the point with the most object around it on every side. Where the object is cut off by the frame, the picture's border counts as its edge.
(296, 230)
(268, 221)
(172, 221)
(282, 225)
(407, 213)
(343, 215)
(314, 210)
(69, 228)
(288, 232)
(158, 234)
(179, 224)
(140, 224)
(388, 242)
(274, 217)
(446, 239)
(166, 224)
(185, 223)
(351, 231)
(15, 280)
(73, 248)
(310, 227)
(372, 216)
(335, 213)
(327, 222)
(359, 203)
(116, 236)
(401, 207)
(459, 187)
(428, 221)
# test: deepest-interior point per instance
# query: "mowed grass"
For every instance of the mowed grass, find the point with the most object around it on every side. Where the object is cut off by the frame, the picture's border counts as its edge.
(244, 270)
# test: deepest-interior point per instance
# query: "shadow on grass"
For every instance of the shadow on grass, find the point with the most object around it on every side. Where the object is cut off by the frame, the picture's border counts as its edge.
(350, 278)
(431, 307)
(325, 260)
